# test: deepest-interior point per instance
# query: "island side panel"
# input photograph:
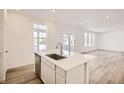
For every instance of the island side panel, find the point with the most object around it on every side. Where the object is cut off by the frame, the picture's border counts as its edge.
(76, 75)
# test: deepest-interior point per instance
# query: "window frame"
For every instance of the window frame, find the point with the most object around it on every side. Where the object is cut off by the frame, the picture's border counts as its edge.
(38, 31)
(69, 41)
(89, 39)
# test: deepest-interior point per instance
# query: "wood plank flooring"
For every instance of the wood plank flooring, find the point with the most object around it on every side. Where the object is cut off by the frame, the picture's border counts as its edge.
(22, 75)
(108, 68)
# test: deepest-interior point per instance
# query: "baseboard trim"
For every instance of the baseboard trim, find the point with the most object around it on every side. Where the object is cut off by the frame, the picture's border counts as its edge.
(88, 51)
(101, 50)
(110, 50)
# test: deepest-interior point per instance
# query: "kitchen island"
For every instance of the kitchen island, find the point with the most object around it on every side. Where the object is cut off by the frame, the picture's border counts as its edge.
(71, 68)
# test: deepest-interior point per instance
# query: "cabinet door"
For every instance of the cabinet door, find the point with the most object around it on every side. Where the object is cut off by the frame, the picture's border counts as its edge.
(43, 72)
(59, 79)
(47, 74)
(50, 75)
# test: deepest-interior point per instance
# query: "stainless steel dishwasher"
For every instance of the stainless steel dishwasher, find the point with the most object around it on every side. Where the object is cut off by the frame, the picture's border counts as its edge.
(38, 65)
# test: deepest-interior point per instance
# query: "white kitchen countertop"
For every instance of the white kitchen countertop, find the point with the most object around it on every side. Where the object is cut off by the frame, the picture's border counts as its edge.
(73, 60)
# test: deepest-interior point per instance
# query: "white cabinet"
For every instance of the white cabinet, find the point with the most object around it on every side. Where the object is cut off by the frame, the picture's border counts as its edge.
(53, 74)
(50, 75)
(47, 73)
(73, 76)
(60, 71)
(43, 72)
(60, 79)
(60, 75)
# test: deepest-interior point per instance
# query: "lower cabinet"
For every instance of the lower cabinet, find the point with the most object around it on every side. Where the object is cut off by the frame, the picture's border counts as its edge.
(52, 74)
(47, 74)
(59, 79)
(43, 72)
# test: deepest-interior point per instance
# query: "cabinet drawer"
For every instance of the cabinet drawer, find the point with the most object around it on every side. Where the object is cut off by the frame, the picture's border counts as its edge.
(48, 63)
(60, 71)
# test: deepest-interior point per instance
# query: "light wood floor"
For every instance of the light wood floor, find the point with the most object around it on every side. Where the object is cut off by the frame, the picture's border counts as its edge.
(22, 75)
(108, 68)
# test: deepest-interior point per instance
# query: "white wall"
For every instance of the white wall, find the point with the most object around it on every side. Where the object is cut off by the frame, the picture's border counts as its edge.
(111, 40)
(20, 40)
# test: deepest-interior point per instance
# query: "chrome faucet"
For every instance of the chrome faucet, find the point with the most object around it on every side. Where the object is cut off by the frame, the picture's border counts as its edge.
(60, 47)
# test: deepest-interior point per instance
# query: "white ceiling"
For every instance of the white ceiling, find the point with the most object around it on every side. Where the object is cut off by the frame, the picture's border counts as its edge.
(92, 19)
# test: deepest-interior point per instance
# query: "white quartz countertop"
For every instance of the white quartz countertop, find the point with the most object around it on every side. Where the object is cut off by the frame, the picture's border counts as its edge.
(73, 60)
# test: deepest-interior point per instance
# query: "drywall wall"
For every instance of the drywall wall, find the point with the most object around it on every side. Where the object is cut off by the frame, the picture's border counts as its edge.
(20, 40)
(111, 40)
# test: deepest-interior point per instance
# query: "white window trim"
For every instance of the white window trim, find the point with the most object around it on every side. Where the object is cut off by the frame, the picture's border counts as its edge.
(69, 41)
(40, 38)
(89, 40)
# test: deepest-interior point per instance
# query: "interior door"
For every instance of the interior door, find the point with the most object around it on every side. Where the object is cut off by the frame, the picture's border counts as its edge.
(5, 39)
(1, 48)
(3, 43)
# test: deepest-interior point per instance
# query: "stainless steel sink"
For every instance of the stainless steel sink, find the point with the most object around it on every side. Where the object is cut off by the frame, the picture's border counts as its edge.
(55, 56)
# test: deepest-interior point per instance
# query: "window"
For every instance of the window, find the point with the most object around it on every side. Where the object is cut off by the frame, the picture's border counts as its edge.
(65, 42)
(93, 39)
(68, 42)
(72, 43)
(85, 39)
(40, 37)
(89, 39)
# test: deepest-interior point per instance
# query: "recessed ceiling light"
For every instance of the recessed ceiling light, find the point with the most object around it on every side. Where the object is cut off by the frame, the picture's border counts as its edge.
(107, 16)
